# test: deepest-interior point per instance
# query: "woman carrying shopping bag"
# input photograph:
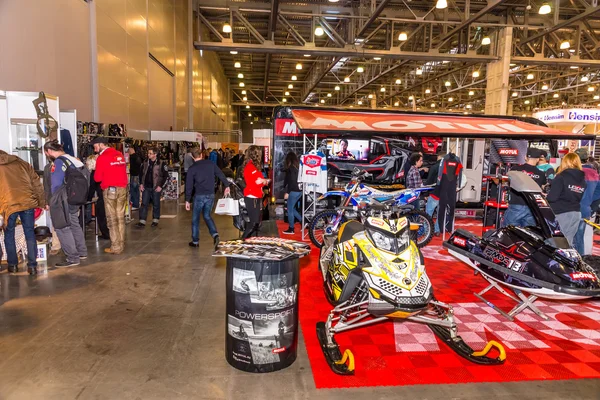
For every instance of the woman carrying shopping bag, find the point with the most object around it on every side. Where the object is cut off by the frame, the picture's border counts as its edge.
(253, 191)
(292, 191)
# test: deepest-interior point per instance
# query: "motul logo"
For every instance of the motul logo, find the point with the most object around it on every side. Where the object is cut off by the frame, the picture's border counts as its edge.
(460, 242)
(508, 152)
(279, 350)
(285, 127)
(582, 275)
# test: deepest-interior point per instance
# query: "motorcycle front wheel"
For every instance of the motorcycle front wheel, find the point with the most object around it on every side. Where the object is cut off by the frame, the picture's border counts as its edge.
(423, 236)
(316, 228)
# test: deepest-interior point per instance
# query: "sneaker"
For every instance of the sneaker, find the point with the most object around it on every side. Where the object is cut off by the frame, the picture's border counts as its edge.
(65, 264)
(32, 270)
(216, 241)
(289, 232)
(154, 224)
(140, 225)
(192, 244)
(13, 268)
(134, 208)
(83, 257)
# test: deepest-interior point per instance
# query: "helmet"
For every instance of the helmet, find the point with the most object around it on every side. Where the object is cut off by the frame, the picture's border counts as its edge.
(42, 233)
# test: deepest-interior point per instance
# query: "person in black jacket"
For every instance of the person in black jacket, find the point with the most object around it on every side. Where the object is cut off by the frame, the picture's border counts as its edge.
(433, 200)
(292, 191)
(566, 193)
(153, 176)
(201, 182)
(135, 165)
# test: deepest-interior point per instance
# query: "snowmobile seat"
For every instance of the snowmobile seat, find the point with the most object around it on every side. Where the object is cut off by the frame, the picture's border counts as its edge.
(348, 230)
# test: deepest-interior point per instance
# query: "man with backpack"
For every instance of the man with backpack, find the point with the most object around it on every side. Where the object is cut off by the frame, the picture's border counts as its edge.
(69, 183)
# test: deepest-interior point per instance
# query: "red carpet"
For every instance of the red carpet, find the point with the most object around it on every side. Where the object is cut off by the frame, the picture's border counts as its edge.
(395, 354)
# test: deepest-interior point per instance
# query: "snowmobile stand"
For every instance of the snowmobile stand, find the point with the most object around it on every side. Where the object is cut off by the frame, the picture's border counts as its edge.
(524, 302)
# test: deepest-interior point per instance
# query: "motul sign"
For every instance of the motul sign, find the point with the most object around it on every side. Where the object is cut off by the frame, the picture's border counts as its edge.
(285, 127)
(324, 120)
(508, 152)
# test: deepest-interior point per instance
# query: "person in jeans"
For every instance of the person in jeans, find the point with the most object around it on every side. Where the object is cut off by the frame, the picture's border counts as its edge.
(292, 190)
(253, 192)
(153, 176)
(111, 172)
(71, 236)
(55, 243)
(589, 202)
(566, 193)
(433, 200)
(135, 168)
(201, 181)
(22, 193)
(518, 212)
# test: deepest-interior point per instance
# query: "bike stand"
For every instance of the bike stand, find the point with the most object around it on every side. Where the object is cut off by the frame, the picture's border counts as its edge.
(524, 302)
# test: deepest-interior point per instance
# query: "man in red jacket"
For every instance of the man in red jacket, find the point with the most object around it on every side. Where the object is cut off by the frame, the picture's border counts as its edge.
(111, 173)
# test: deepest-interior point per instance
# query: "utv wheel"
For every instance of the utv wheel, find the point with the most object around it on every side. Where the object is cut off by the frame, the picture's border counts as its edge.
(316, 228)
(423, 236)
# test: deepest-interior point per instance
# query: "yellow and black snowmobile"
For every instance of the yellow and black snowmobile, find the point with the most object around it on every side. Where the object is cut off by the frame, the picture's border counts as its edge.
(373, 272)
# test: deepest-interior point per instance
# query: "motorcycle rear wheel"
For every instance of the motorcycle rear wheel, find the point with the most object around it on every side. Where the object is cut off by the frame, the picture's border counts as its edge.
(423, 236)
(316, 228)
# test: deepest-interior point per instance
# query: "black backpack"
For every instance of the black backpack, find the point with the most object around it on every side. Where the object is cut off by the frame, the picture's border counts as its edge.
(77, 183)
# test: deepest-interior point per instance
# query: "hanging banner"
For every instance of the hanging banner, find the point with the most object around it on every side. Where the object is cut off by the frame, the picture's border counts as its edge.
(569, 116)
(230, 146)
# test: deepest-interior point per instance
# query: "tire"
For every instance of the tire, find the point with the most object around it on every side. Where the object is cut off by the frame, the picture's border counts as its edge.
(320, 220)
(425, 233)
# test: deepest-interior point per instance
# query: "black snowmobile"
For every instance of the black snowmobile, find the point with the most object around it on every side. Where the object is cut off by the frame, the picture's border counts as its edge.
(537, 260)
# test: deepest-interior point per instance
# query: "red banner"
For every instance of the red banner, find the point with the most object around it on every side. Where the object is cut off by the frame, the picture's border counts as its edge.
(426, 124)
(285, 127)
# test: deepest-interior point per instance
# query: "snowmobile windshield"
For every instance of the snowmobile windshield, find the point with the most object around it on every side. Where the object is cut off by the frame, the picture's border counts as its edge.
(384, 239)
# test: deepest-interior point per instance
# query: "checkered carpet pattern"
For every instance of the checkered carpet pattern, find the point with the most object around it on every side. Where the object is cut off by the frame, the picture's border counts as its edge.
(396, 353)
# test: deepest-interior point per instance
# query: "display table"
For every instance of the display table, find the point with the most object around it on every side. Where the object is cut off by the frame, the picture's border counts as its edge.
(262, 307)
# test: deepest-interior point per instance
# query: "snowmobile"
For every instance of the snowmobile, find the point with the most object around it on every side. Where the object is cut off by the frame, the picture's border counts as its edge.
(374, 272)
(536, 260)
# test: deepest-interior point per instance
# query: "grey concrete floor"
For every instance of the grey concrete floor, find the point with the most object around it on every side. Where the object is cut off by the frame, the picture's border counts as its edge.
(149, 324)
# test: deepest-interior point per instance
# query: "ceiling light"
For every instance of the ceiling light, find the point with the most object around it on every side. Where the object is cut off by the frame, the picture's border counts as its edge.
(545, 9)
(555, 95)
(486, 41)
(249, 114)
(290, 86)
(370, 96)
(515, 94)
(382, 89)
(360, 70)
(242, 84)
(471, 93)
(527, 102)
(544, 87)
(360, 102)
(591, 89)
(322, 101)
(251, 123)
(530, 76)
(432, 105)
(237, 64)
(403, 37)
(427, 91)
(286, 94)
(284, 100)
(245, 98)
(307, 55)
(397, 103)
(328, 94)
(574, 67)
(466, 113)
(419, 71)
(584, 79)
(233, 52)
(398, 81)
(333, 1)
(450, 99)
(441, 4)
(597, 97)
(243, 92)
(351, 106)
(469, 106)
(376, 58)
(523, 115)
(226, 28)
(475, 74)
(241, 76)
(347, 79)
(298, 66)
(247, 106)
(564, 45)
(447, 84)
(411, 97)
(294, 78)
(319, 31)
(336, 88)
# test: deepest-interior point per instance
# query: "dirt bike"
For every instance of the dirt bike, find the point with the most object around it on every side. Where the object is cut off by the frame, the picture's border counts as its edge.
(356, 195)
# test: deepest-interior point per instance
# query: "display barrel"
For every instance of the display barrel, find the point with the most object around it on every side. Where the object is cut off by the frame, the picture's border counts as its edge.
(262, 314)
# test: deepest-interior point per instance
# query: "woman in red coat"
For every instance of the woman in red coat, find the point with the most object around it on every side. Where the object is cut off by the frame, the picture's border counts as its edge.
(253, 192)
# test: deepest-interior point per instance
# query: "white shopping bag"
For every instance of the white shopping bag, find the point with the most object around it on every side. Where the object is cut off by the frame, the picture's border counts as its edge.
(227, 206)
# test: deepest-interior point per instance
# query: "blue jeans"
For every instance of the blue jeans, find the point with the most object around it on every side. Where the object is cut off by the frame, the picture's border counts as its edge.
(432, 204)
(203, 205)
(518, 215)
(27, 221)
(579, 244)
(293, 199)
(150, 195)
(134, 191)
